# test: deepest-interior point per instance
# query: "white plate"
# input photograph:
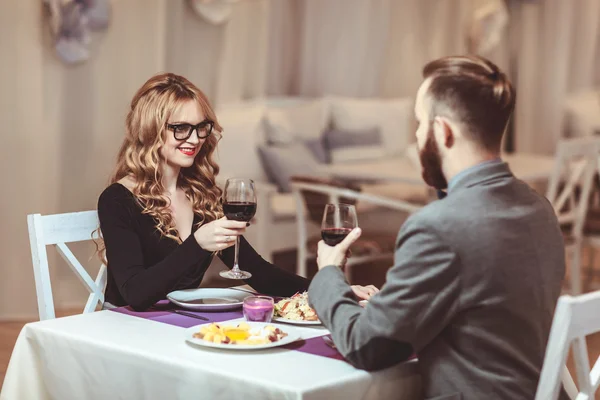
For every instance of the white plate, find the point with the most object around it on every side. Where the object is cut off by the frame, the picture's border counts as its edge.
(208, 299)
(292, 336)
(295, 322)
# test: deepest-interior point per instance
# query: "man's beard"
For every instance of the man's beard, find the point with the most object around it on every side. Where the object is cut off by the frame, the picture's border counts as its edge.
(431, 163)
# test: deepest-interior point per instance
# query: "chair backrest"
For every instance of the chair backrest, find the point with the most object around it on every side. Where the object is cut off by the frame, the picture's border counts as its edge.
(570, 185)
(583, 107)
(57, 230)
(574, 319)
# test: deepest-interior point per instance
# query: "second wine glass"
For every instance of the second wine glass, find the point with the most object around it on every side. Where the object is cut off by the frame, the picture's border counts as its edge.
(338, 222)
(239, 204)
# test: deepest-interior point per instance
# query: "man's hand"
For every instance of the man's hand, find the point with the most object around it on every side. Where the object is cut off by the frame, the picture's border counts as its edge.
(336, 255)
(364, 292)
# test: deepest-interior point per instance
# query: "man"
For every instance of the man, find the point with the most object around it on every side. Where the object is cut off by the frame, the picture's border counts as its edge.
(477, 274)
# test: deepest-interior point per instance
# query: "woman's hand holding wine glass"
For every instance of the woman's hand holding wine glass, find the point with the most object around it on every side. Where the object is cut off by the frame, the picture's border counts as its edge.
(219, 234)
(239, 204)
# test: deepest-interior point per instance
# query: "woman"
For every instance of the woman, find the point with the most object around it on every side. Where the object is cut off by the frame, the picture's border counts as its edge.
(161, 218)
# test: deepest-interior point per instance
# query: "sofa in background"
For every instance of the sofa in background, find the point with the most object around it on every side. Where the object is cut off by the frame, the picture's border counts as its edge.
(270, 140)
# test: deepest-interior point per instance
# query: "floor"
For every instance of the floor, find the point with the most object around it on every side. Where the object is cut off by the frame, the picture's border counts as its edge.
(8, 335)
(9, 331)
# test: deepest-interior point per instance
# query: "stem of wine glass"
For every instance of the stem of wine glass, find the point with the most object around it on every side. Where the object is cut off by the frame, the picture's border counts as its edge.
(236, 268)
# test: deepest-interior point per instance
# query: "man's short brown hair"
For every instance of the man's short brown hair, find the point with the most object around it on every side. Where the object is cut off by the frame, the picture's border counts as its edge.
(474, 92)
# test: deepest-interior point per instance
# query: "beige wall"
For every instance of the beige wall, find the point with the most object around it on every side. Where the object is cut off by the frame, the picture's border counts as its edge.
(22, 152)
(62, 125)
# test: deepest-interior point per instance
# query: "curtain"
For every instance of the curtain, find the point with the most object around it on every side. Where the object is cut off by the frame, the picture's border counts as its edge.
(556, 52)
(362, 48)
(377, 48)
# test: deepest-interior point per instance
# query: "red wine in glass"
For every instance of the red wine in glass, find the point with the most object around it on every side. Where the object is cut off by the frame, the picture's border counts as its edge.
(338, 222)
(333, 236)
(239, 204)
(239, 210)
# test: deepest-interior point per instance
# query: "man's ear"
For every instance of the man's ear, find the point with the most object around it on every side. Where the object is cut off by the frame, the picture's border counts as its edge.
(443, 131)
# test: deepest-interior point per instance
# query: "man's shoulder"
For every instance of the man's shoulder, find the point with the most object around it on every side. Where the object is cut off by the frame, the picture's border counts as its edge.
(429, 218)
(472, 205)
(434, 212)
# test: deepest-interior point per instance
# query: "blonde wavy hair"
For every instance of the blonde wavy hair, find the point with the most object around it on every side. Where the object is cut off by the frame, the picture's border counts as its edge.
(139, 156)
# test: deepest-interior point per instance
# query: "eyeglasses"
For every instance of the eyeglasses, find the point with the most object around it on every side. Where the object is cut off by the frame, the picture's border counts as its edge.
(184, 131)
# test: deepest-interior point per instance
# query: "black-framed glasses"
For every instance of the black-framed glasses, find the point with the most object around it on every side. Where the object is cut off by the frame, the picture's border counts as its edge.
(184, 131)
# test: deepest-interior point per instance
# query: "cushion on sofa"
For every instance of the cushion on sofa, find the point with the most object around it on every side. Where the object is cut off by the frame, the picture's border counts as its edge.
(393, 117)
(306, 120)
(348, 146)
(318, 149)
(283, 162)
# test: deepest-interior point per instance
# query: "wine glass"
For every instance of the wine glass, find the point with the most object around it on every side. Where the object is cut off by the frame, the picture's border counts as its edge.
(239, 204)
(338, 222)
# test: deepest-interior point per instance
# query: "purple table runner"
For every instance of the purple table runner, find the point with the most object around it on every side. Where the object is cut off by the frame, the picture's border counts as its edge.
(161, 312)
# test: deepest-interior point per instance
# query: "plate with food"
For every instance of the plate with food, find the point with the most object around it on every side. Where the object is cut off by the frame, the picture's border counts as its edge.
(207, 299)
(295, 310)
(240, 335)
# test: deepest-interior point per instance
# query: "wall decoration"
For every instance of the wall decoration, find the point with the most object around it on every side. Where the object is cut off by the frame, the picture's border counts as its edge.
(71, 22)
(214, 11)
(489, 19)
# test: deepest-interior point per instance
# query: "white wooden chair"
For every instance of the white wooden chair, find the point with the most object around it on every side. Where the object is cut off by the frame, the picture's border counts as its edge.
(58, 230)
(591, 237)
(574, 319)
(583, 109)
(575, 165)
(334, 195)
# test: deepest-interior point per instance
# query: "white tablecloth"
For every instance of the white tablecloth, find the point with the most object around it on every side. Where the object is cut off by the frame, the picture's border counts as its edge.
(108, 355)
